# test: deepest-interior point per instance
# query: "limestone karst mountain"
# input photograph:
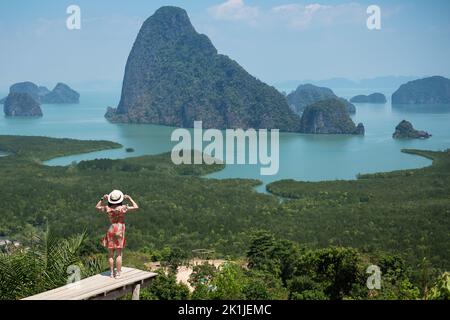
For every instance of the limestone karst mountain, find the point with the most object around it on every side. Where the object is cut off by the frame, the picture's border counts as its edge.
(175, 76)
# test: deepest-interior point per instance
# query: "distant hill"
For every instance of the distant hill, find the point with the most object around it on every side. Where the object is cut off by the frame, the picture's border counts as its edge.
(432, 90)
(61, 94)
(344, 83)
(174, 76)
(371, 98)
(384, 82)
(308, 94)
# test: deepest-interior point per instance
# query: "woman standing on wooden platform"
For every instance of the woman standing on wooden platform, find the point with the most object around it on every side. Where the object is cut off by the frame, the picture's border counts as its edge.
(114, 239)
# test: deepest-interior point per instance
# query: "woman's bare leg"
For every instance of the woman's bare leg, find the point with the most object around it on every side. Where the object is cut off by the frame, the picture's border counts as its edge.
(119, 261)
(111, 261)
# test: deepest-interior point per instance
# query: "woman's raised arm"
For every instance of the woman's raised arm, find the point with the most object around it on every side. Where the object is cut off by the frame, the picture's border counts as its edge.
(99, 205)
(133, 206)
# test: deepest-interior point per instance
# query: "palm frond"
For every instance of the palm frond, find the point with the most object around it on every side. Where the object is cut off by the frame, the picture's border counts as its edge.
(43, 266)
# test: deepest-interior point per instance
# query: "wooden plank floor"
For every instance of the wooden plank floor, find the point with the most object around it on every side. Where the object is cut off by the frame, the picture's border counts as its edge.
(98, 286)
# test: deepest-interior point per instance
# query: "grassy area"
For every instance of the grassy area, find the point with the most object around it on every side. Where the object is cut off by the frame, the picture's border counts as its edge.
(43, 148)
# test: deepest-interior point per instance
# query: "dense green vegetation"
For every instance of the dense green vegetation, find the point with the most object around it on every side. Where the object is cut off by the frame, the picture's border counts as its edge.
(42, 148)
(402, 214)
(403, 211)
(277, 269)
(274, 269)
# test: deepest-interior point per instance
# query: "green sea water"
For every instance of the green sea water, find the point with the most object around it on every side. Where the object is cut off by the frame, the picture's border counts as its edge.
(302, 157)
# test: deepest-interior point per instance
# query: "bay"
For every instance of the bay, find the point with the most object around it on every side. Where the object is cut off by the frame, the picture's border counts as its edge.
(302, 157)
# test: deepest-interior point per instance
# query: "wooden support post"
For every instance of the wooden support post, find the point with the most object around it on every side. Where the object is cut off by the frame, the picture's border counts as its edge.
(136, 292)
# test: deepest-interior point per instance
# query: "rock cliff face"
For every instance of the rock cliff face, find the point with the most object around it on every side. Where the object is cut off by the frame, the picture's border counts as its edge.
(405, 130)
(328, 117)
(432, 90)
(175, 76)
(61, 94)
(371, 98)
(21, 105)
(308, 94)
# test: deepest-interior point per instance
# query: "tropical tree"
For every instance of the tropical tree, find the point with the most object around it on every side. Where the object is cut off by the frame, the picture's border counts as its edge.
(441, 288)
(229, 283)
(44, 266)
(172, 258)
(165, 287)
(202, 274)
(330, 272)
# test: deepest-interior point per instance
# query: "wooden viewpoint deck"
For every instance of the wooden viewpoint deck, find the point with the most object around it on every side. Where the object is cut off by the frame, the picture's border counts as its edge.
(100, 287)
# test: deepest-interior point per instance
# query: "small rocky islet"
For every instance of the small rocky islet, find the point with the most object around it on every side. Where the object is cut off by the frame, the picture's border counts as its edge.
(405, 130)
(308, 94)
(25, 98)
(371, 98)
(61, 94)
(30, 88)
(329, 117)
(21, 105)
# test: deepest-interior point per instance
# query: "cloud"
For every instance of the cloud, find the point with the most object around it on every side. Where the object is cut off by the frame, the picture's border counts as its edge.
(235, 10)
(292, 15)
(305, 16)
(299, 16)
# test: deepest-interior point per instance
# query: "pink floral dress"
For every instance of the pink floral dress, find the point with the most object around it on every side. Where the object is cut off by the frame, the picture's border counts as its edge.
(115, 236)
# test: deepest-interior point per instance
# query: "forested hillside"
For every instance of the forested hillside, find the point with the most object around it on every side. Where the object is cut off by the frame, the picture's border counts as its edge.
(404, 213)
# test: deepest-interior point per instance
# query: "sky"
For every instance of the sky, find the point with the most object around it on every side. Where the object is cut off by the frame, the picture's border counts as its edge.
(274, 40)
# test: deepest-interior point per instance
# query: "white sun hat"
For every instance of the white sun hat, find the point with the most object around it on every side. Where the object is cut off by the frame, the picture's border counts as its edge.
(115, 197)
